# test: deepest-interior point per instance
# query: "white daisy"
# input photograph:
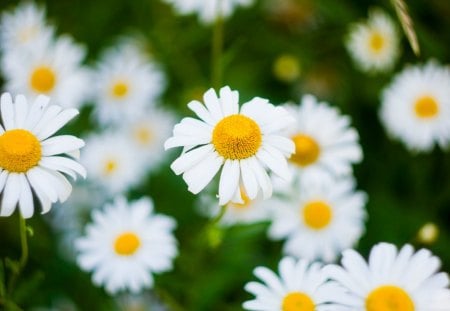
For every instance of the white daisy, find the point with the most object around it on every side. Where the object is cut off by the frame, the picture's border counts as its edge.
(126, 82)
(374, 44)
(392, 280)
(31, 159)
(208, 10)
(112, 162)
(301, 286)
(125, 244)
(318, 219)
(325, 143)
(242, 140)
(416, 107)
(51, 68)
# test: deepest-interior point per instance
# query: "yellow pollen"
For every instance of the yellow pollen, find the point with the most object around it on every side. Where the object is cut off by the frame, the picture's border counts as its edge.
(127, 244)
(247, 202)
(43, 79)
(389, 298)
(317, 214)
(297, 301)
(143, 135)
(20, 150)
(119, 89)
(110, 167)
(426, 107)
(237, 137)
(307, 150)
(376, 42)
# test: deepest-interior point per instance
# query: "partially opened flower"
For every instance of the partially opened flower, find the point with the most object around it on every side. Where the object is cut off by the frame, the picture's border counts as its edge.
(126, 244)
(241, 140)
(31, 160)
(394, 280)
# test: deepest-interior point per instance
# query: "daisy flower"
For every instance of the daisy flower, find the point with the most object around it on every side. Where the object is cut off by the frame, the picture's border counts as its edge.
(126, 82)
(31, 159)
(300, 286)
(416, 107)
(318, 219)
(394, 280)
(325, 143)
(126, 244)
(241, 139)
(208, 10)
(51, 68)
(374, 44)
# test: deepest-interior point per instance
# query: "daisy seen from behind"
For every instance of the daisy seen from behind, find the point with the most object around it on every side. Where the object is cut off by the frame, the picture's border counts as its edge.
(318, 220)
(240, 140)
(126, 244)
(392, 279)
(326, 145)
(374, 44)
(33, 162)
(300, 286)
(415, 107)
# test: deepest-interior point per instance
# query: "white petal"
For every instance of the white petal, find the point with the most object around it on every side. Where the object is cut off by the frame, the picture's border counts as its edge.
(47, 117)
(200, 110)
(275, 161)
(262, 177)
(21, 111)
(229, 101)
(56, 123)
(26, 205)
(229, 181)
(181, 141)
(36, 111)
(212, 103)
(64, 165)
(11, 194)
(200, 175)
(284, 144)
(7, 111)
(3, 177)
(190, 159)
(249, 180)
(61, 144)
(41, 185)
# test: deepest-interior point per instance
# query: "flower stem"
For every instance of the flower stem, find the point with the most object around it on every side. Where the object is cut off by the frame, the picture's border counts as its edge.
(217, 49)
(23, 258)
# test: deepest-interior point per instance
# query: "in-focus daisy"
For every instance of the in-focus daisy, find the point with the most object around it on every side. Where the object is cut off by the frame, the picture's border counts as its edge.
(125, 244)
(318, 219)
(374, 44)
(416, 107)
(208, 10)
(244, 140)
(112, 162)
(394, 280)
(31, 159)
(51, 68)
(325, 143)
(301, 286)
(126, 83)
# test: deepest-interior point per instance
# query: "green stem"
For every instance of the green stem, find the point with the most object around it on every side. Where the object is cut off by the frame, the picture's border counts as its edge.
(219, 215)
(217, 50)
(23, 258)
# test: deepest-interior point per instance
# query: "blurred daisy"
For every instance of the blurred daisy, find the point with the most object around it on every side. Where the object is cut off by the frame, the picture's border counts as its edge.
(208, 10)
(392, 280)
(416, 107)
(51, 68)
(31, 159)
(300, 286)
(318, 219)
(325, 143)
(125, 244)
(374, 44)
(243, 140)
(112, 162)
(147, 301)
(125, 83)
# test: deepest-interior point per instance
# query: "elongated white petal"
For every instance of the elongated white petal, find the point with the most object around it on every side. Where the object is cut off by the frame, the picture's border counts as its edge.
(39, 184)
(7, 111)
(190, 159)
(56, 123)
(11, 194)
(181, 141)
(64, 165)
(275, 161)
(201, 175)
(61, 144)
(49, 114)
(213, 104)
(229, 181)
(26, 205)
(249, 179)
(37, 109)
(262, 177)
(20, 111)
(200, 110)
(229, 101)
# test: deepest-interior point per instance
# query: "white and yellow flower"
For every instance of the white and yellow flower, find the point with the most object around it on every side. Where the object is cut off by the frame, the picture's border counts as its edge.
(325, 143)
(374, 44)
(126, 244)
(416, 107)
(300, 286)
(394, 280)
(241, 140)
(318, 219)
(31, 159)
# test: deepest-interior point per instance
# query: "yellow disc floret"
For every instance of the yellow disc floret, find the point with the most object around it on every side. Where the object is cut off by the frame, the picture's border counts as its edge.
(307, 150)
(376, 42)
(389, 298)
(43, 79)
(119, 89)
(317, 214)
(237, 137)
(20, 150)
(126, 244)
(426, 107)
(297, 301)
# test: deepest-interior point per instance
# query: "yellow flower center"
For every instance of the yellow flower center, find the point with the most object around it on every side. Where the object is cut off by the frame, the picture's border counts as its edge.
(317, 214)
(307, 150)
(143, 135)
(389, 298)
(126, 244)
(20, 150)
(43, 79)
(110, 167)
(297, 301)
(376, 42)
(119, 89)
(426, 107)
(247, 202)
(237, 137)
